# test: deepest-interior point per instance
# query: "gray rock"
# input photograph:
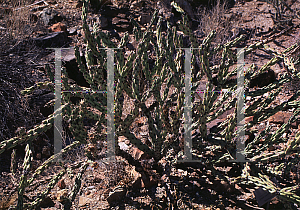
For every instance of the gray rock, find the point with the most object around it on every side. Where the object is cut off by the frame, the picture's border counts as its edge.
(55, 39)
(71, 65)
(90, 187)
(123, 146)
(50, 16)
(72, 31)
(68, 55)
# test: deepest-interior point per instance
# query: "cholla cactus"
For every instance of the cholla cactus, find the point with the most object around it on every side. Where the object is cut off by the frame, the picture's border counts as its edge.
(166, 113)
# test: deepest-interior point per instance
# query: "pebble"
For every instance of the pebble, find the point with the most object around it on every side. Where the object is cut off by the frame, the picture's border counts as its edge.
(90, 187)
(123, 146)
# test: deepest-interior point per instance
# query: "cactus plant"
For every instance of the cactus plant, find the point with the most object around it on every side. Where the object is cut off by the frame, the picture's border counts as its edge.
(141, 79)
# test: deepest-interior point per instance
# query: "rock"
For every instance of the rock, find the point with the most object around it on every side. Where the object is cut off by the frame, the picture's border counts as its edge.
(137, 184)
(135, 175)
(78, 4)
(222, 186)
(58, 205)
(226, 114)
(135, 4)
(95, 165)
(46, 203)
(262, 23)
(33, 18)
(282, 117)
(48, 108)
(71, 65)
(248, 119)
(61, 184)
(163, 8)
(57, 27)
(121, 24)
(137, 180)
(72, 31)
(55, 39)
(144, 18)
(90, 187)
(229, 16)
(263, 79)
(52, 2)
(116, 195)
(50, 16)
(141, 179)
(83, 200)
(247, 19)
(102, 21)
(212, 126)
(123, 146)
(61, 195)
(148, 181)
(98, 178)
(138, 154)
(68, 55)
(186, 6)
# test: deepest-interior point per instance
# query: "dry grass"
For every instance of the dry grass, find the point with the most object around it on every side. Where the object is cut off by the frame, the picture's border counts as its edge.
(18, 19)
(215, 19)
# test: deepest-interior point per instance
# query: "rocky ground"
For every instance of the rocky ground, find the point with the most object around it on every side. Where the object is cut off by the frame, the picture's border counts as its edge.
(28, 29)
